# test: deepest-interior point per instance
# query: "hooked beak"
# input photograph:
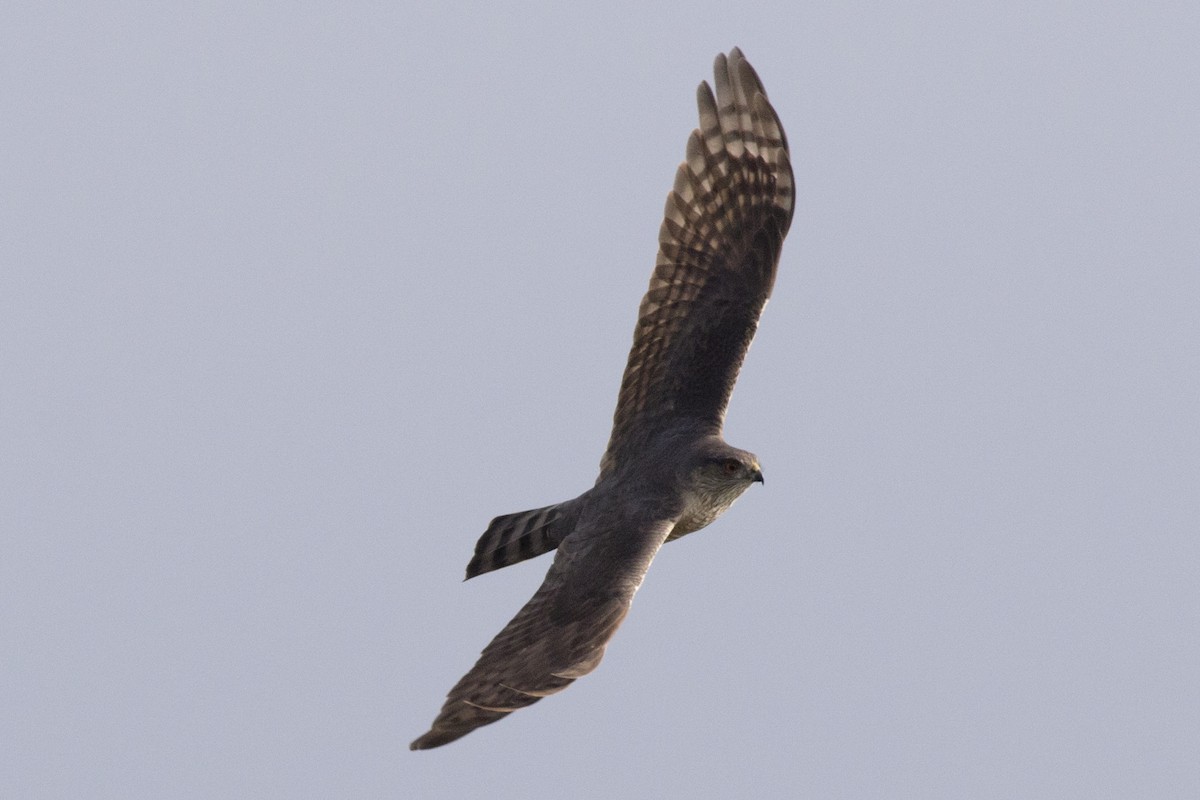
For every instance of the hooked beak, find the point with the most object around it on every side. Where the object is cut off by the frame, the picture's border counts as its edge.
(758, 477)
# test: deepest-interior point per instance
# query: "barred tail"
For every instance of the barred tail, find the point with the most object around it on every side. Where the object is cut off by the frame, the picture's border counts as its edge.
(516, 537)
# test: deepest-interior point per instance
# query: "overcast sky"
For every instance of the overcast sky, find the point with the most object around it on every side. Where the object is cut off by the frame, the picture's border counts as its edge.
(294, 299)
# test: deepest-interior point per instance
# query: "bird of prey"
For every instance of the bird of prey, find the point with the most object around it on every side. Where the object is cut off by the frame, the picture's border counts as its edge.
(667, 472)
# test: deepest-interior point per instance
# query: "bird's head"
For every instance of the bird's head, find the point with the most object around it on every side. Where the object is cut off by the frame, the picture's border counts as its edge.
(717, 468)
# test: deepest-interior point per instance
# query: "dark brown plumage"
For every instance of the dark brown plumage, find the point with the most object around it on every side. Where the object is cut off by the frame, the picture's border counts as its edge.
(718, 249)
(666, 471)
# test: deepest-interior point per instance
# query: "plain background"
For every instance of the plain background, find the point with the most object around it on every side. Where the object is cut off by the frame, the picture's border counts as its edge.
(295, 297)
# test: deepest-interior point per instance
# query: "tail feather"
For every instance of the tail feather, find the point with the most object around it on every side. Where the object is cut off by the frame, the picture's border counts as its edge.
(515, 537)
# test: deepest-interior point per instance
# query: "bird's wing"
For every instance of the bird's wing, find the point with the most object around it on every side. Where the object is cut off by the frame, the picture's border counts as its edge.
(561, 632)
(718, 250)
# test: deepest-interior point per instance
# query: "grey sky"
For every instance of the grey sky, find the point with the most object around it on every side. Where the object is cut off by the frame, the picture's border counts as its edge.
(292, 302)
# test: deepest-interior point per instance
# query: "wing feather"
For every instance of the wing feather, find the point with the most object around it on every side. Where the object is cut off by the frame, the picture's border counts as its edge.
(722, 231)
(561, 633)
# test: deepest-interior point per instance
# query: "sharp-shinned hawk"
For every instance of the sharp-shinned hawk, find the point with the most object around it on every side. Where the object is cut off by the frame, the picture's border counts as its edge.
(667, 471)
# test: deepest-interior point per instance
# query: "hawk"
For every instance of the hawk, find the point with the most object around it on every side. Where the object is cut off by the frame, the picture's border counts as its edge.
(666, 472)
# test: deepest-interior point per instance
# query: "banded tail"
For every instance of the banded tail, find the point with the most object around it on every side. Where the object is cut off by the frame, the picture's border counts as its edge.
(515, 537)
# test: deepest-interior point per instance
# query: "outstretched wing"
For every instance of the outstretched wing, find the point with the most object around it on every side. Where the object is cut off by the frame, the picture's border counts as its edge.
(561, 632)
(718, 249)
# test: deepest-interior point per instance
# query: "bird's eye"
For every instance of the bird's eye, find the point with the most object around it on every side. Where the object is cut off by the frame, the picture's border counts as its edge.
(731, 467)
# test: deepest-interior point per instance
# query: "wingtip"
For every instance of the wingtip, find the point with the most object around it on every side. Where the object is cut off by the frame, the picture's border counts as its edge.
(426, 741)
(436, 738)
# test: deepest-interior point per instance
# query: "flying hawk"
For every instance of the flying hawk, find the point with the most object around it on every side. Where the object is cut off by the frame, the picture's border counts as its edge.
(667, 472)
